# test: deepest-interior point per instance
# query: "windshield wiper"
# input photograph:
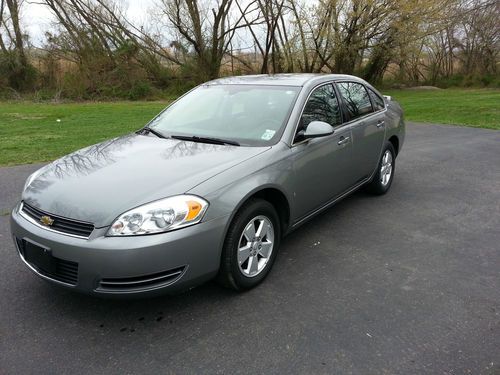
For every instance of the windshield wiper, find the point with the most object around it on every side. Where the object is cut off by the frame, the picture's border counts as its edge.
(146, 130)
(215, 141)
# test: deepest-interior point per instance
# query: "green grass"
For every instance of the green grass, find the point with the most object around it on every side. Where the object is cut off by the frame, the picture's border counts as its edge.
(30, 132)
(475, 108)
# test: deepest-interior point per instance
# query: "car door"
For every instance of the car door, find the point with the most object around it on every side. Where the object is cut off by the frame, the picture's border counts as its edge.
(321, 165)
(367, 126)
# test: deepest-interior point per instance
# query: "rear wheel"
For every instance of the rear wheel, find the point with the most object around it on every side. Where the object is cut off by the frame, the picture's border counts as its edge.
(382, 180)
(250, 246)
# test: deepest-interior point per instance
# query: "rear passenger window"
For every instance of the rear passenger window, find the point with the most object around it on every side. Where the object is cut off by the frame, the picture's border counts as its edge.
(322, 106)
(356, 99)
(377, 101)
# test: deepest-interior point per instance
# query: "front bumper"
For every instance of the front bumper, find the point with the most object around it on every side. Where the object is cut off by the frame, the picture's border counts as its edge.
(136, 265)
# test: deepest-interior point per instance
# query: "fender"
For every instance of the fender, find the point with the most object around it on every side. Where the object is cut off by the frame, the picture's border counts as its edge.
(227, 200)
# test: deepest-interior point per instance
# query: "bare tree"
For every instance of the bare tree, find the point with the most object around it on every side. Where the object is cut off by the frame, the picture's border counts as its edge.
(95, 47)
(206, 28)
(16, 67)
(480, 36)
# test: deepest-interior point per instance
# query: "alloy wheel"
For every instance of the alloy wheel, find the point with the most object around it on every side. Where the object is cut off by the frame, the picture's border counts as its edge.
(255, 246)
(386, 168)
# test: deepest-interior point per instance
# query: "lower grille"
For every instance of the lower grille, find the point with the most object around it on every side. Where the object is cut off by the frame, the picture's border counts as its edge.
(47, 265)
(59, 224)
(127, 284)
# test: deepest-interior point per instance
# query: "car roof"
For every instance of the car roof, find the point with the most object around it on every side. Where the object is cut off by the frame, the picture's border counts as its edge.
(285, 79)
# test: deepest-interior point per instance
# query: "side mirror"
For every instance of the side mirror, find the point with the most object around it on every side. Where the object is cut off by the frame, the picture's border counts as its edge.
(317, 129)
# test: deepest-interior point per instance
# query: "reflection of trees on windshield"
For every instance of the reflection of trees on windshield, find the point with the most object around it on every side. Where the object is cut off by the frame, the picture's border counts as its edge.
(356, 98)
(81, 162)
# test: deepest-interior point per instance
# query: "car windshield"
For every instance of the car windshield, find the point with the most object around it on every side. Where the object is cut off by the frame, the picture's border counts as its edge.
(251, 115)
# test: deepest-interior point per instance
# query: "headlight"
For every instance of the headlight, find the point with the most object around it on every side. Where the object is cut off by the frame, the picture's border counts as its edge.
(32, 176)
(160, 216)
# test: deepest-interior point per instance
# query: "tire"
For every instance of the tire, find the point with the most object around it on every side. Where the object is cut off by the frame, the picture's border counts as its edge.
(381, 182)
(237, 271)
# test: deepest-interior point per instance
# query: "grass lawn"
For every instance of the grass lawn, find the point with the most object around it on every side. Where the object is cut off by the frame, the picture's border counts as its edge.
(30, 132)
(475, 108)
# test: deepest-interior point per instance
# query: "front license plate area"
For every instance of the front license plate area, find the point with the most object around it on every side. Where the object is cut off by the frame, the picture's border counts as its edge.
(39, 257)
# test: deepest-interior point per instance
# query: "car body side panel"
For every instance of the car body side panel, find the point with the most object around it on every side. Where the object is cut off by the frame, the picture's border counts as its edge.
(394, 123)
(322, 170)
(394, 118)
(368, 140)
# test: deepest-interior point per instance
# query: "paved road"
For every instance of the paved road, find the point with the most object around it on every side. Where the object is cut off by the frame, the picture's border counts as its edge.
(408, 283)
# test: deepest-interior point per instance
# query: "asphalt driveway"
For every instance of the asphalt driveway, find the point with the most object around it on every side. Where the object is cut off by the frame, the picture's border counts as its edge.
(407, 283)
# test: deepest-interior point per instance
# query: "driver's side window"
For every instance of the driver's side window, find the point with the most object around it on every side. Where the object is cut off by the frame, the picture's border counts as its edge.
(321, 106)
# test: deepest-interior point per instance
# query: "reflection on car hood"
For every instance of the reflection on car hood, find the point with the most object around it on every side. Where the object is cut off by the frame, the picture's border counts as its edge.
(99, 182)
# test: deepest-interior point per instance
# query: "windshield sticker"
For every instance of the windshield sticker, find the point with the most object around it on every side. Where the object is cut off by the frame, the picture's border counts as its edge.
(268, 134)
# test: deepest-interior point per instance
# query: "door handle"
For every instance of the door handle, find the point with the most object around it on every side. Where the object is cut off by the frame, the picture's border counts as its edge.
(343, 140)
(380, 123)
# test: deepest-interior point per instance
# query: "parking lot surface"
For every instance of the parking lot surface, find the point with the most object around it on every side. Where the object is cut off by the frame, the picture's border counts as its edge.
(407, 283)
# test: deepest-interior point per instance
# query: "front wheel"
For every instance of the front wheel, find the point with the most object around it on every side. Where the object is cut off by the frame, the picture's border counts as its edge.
(251, 246)
(384, 175)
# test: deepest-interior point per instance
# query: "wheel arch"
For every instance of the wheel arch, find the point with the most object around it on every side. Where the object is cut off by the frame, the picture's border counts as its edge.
(280, 203)
(394, 140)
(275, 196)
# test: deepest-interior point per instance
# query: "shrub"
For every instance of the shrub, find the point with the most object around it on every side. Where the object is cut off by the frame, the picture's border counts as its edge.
(139, 90)
(16, 75)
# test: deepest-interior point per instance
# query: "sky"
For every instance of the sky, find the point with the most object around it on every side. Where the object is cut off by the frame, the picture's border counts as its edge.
(37, 18)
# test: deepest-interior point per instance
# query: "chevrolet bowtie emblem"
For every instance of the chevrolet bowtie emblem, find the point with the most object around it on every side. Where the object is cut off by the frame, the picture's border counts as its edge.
(46, 220)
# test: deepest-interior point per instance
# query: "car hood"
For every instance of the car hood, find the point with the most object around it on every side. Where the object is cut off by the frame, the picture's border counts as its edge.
(100, 182)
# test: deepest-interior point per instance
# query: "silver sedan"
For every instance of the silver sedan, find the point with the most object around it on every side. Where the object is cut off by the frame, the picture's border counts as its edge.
(209, 187)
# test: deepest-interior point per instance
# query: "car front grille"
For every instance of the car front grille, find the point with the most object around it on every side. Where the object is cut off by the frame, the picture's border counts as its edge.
(151, 281)
(60, 224)
(47, 265)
